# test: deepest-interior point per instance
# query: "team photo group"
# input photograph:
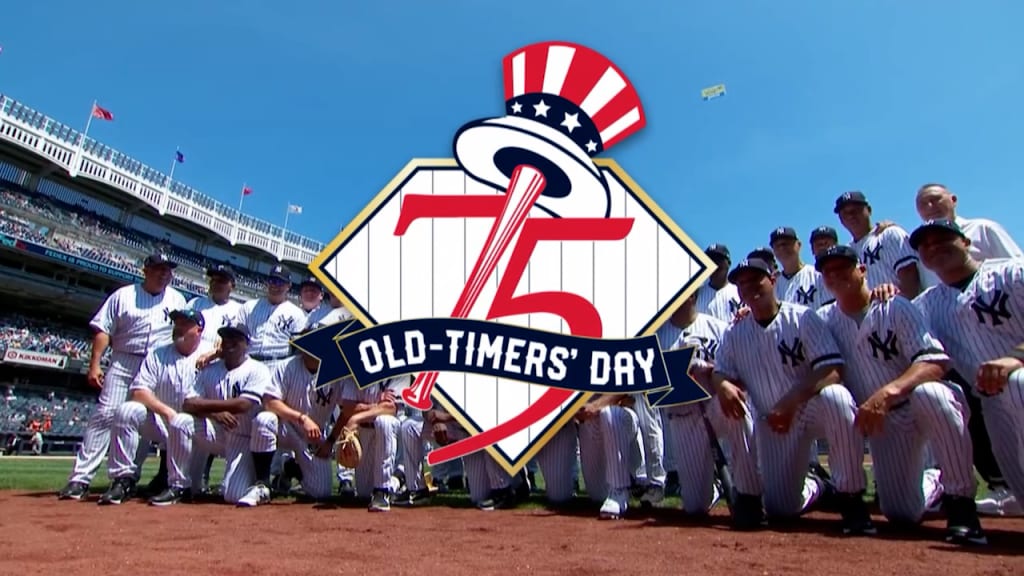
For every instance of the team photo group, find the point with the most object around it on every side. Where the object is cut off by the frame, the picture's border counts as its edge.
(898, 350)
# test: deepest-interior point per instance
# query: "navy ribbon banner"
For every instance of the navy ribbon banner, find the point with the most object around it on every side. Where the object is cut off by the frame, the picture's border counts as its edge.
(596, 365)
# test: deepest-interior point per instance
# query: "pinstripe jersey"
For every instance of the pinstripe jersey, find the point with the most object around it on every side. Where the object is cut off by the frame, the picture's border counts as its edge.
(771, 360)
(169, 375)
(136, 320)
(272, 327)
(983, 322)
(293, 384)
(722, 304)
(248, 380)
(884, 254)
(215, 315)
(371, 394)
(806, 288)
(881, 346)
(706, 333)
(325, 316)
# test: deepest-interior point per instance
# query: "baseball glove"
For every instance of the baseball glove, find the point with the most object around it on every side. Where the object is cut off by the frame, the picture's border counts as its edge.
(348, 450)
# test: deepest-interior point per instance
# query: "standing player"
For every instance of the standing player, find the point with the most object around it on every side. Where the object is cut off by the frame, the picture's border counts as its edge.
(886, 253)
(216, 418)
(273, 320)
(217, 307)
(327, 315)
(296, 411)
(133, 321)
(783, 356)
(157, 393)
(311, 295)
(822, 238)
(893, 369)
(698, 488)
(988, 240)
(718, 298)
(977, 314)
(797, 282)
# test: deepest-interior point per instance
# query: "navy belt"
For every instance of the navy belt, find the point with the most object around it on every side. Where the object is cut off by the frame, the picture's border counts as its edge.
(268, 358)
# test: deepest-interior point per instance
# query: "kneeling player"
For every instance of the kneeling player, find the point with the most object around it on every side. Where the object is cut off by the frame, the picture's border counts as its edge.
(685, 424)
(167, 375)
(894, 368)
(783, 356)
(217, 418)
(295, 415)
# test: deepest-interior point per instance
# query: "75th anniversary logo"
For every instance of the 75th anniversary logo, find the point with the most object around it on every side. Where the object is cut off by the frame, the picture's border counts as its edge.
(522, 277)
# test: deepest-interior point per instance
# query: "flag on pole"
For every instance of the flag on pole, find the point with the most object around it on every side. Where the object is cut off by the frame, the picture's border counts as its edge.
(179, 157)
(294, 209)
(246, 190)
(101, 113)
(712, 92)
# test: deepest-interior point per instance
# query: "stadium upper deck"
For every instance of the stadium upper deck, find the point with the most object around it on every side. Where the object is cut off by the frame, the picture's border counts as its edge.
(132, 207)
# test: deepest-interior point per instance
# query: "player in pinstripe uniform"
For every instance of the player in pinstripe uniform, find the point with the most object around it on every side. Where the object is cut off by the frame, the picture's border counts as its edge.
(311, 295)
(559, 463)
(334, 313)
(988, 240)
(698, 487)
(718, 298)
(797, 282)
(273, 320)
(885, 252)
(894, 368)
(296, 411)
(217, 417)
(157, 393)
(822, 238)
(133, 321)
(372, 413)
(976, 313)
(490, 487)
(784, 358)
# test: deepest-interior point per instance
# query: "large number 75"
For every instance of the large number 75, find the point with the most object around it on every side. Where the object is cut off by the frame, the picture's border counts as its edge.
(582, 318)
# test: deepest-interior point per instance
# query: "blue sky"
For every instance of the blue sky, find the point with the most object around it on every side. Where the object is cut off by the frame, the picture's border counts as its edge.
(322, 104)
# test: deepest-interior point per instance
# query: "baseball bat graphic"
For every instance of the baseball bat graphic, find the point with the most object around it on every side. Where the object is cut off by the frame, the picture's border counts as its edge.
(524, 188)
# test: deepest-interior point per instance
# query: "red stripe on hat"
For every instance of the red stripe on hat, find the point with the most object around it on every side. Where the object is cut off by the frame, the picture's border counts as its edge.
(623, 102)
(536, 63)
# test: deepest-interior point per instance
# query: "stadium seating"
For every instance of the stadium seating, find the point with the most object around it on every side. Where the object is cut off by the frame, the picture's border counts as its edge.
(66, 410)
(73, 229)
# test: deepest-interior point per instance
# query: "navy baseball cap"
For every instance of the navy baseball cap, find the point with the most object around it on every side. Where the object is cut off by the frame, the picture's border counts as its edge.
(763, 253)
(756, 264)
(278, 272)
(718, 252)
(855, 197)
(192, 315)
(311, 281)
(782, 233)
(824, 232)
(221, 270)
(236, 329)
(837, 252)
(159, 259)
(934, 225)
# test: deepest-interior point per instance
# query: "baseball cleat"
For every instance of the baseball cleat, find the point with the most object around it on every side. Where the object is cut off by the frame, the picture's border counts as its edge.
(170, 496)
(652, 496)
(1000, 502)
(486, 505)
(962, 524)
(346, 489)
(74, 491)
(748, 512)
(856, 518)
(120, 490)
(256, 495)
(412, 498)
(381, 501)
(615, 505)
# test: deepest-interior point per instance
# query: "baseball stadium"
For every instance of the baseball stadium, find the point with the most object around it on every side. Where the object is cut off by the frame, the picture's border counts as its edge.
(166, 404)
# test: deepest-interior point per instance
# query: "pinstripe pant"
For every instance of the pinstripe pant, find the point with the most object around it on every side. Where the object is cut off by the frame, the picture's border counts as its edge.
(609, 451)
(483, 474)
(379, 441)
(133, 422)
(187, 433)
(269, 434)
(651, 468)
(559, 464)
(96, 440)
(1004, 419)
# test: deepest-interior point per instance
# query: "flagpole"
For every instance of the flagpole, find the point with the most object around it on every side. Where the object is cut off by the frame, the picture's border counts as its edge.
(241, 199)
(174, 163)
(77, 158)
(287, 213)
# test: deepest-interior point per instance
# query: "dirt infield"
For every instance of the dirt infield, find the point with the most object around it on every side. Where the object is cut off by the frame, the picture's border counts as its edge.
(43, 536)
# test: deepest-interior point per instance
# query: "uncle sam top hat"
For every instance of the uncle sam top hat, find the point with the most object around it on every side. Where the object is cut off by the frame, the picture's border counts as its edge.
(564, 104)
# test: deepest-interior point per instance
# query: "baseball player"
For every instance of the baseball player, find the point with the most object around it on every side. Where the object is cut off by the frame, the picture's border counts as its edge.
(797, 282)
(698, 488)
(784, 358)
(327, 315)
(216, 417)
(894, 368)
(490, 487)
(273, 320)
(157, 393)
(311, 295)
(132, 321)
(886, 253)
(822, 238)
(988, 240)
(718, 298)
(976, 313)
(296, 412)
(559, 463)
(372, 413)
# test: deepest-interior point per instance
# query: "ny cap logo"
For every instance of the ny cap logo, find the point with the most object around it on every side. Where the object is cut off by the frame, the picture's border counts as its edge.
(513, 282)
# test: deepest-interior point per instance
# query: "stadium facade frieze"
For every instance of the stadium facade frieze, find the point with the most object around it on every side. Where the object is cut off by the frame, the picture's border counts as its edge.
(84, 157)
